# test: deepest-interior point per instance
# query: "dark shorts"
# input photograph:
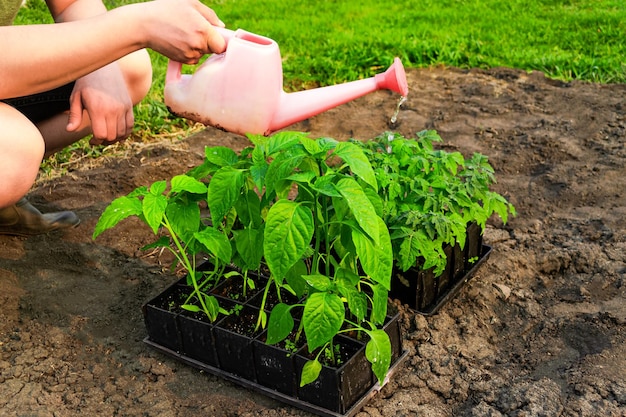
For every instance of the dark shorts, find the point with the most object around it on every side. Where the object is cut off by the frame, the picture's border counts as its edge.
(42, 106)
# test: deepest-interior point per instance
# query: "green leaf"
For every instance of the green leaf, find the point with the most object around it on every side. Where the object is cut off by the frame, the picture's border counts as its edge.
(429, 136)
(262, 319)
(318, 281)
(458, 160)
(346, 277)
(187, 183)
(462, 199)
(310, 145)
(283, 140)
(158, 187)
(212, 307)
(357, 161)
(418, 244)
(310, 372)
(249, 244)
(287, 235)
(257, 140)
(304, 177)
(203, 170)
(162, 242)
(229, 220)
(323, 316)
(215, 242)
(437, 261)
(379, 304)
(414, 244)
(376, 259)
(459, 231)
(282, 167)
(360, 205)
(221, 156)
(224, 189)
(357, 302)
(258, 171)
(153, 207)
(294, 278)
(325, 186)
(327, 144)
(375, 199)
(378, 352)
(249, 209)
(280, 324)
(498, 204)
(119, 209)
(184, 218)
(191, 307)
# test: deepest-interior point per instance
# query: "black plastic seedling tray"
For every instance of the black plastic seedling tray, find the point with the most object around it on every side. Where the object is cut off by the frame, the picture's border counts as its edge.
(303, 405)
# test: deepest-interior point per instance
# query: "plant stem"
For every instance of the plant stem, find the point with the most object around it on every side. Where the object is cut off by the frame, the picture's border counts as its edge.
(185, 260)
(326, 235)
(263, 301)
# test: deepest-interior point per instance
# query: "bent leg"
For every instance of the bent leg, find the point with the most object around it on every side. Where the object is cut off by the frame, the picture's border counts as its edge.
(137, 69)
(21, 152)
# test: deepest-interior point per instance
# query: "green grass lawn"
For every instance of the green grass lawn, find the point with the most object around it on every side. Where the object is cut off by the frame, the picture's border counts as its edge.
(329, 42)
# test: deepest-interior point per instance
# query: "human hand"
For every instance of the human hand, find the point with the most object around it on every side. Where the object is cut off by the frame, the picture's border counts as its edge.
(183, 30)
(104, 96)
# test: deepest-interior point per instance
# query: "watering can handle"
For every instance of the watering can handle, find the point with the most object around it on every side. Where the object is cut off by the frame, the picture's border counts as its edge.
(174, 68)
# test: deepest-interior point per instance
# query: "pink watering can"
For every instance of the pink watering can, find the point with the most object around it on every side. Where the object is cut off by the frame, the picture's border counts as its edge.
(241, 90)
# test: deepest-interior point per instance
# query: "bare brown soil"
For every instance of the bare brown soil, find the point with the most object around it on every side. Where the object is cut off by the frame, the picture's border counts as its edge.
(539, 331)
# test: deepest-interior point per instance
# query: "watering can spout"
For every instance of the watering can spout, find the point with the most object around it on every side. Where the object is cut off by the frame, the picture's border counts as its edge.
(241, 90)
(301, 105)
(393, 79)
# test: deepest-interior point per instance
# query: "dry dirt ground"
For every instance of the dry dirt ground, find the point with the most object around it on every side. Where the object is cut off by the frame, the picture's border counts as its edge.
(539, 331)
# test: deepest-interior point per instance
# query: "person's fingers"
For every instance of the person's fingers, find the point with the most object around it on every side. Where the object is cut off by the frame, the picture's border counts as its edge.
(75, 118)
(130, 122)
(210, 15)
(99, 128)
(93, 141)
(215, 41)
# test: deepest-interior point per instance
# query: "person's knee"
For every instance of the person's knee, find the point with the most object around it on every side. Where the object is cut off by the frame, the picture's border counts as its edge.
(21, 152)
(137, 69)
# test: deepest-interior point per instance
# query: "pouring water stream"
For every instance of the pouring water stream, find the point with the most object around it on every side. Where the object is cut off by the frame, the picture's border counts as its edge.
(394, 118)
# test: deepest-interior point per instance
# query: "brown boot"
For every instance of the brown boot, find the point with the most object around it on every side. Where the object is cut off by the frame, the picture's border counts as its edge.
(22, 219)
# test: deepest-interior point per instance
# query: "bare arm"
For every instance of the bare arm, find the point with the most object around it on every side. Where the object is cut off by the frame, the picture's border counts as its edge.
(69, 10)
(40, 57)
